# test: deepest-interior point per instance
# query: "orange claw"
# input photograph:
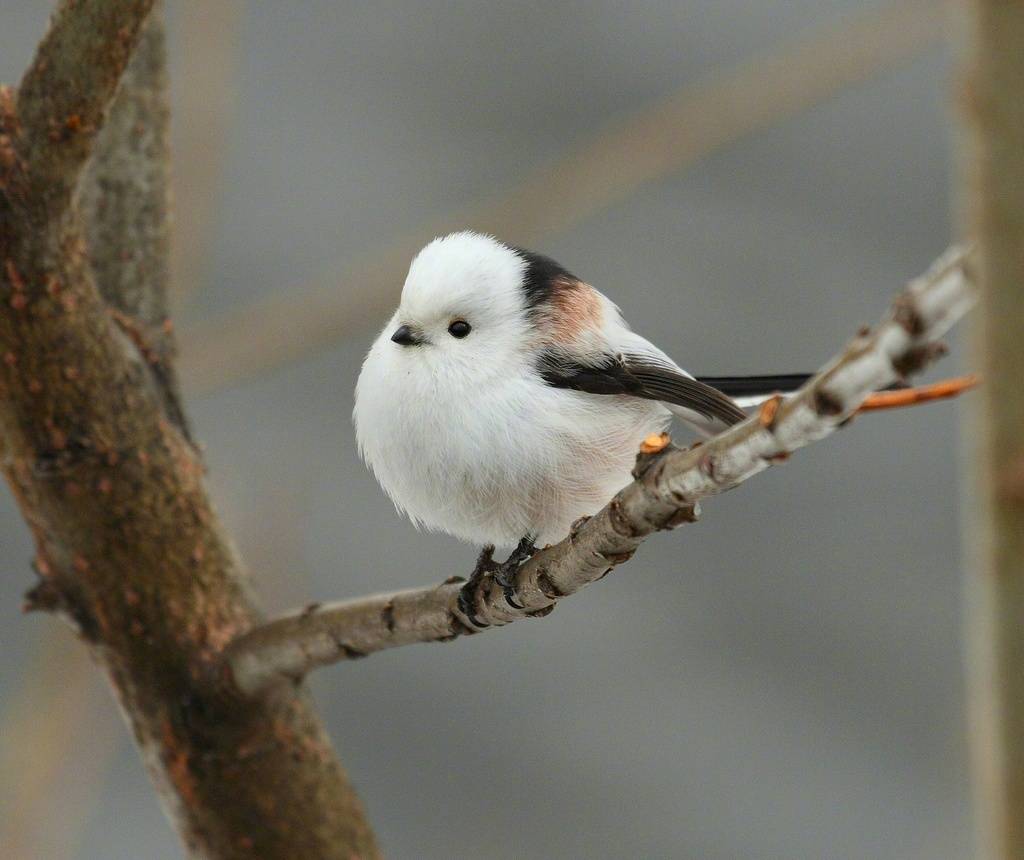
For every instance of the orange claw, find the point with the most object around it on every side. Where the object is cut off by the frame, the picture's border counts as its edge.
(926, 393)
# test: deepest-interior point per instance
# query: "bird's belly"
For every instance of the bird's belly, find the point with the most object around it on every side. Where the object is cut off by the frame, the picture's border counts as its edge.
(523, 462)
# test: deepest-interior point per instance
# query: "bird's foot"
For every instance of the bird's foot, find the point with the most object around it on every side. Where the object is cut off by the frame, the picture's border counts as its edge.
(505, 573)
(485, 564)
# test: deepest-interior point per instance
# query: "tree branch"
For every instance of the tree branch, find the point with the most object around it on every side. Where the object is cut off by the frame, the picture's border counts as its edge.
(128, 545)
(669, 485)
(124, 196)
(125, 205)
(64, 95)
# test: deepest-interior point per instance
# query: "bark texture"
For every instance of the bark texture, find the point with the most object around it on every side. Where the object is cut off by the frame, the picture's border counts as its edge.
(669, 484)
(96, 450)
(994, 98)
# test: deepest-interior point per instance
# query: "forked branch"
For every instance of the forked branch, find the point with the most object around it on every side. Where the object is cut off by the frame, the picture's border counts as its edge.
(669, 484)
(95, 450)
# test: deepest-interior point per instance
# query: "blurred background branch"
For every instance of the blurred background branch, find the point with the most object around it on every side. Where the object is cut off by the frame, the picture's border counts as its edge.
(994, 101)
(206, 87)
(58, 734)
(665, 137)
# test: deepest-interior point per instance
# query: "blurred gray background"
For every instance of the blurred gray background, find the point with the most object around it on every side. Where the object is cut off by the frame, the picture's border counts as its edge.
(782, 680)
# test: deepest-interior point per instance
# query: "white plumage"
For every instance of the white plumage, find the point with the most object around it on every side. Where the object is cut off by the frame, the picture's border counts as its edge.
(487, 436)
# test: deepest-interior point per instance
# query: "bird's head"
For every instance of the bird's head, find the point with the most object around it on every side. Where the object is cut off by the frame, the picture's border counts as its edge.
(464, 309)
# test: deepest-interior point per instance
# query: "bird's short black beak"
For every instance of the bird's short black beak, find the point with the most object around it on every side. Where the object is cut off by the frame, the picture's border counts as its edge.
(406, 336)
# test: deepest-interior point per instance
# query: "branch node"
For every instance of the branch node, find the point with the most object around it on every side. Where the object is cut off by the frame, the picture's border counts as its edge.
(907, 316)
(617, 558)
(651, 451)
(689, 513)
(655, 443)
(915, 360)
(708, 464)
(619, 521)
(387, 616)
(574, 529)
(827, 405)
(348, 651)
(42, 597)
(546, 586)
(768, 412)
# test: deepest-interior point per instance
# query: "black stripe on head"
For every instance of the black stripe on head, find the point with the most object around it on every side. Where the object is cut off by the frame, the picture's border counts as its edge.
(542, 277)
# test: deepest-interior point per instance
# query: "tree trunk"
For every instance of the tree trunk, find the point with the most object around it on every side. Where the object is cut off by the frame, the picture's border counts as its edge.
(994, 99)
(96, 450)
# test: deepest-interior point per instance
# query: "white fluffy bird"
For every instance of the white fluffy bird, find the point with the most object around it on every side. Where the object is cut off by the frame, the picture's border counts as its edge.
(506, 398)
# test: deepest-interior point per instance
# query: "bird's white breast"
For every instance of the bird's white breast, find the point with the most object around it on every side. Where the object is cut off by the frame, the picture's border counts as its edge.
(490, 463)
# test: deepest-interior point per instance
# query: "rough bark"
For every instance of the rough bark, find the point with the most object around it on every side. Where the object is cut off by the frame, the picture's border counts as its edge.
(669, 484)
(128, 545)
(996, 586)
(125, 207)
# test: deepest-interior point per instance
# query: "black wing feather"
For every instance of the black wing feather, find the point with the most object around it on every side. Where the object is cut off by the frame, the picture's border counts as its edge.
(638, 376)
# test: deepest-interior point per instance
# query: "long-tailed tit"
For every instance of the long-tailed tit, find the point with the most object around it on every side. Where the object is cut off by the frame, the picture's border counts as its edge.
(506, 398)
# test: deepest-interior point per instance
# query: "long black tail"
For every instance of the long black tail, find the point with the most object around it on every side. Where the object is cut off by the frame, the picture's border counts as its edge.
(754, 386)
(758, 386)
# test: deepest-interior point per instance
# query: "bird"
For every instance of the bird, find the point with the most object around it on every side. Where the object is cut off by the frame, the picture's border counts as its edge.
(506, 398)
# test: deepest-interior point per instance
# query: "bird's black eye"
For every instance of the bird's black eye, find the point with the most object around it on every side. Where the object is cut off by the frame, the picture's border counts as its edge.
(459, 329)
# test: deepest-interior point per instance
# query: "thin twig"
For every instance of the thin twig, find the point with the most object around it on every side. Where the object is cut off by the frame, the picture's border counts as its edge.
(668, 488)
(665, 137)
(942, 390)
